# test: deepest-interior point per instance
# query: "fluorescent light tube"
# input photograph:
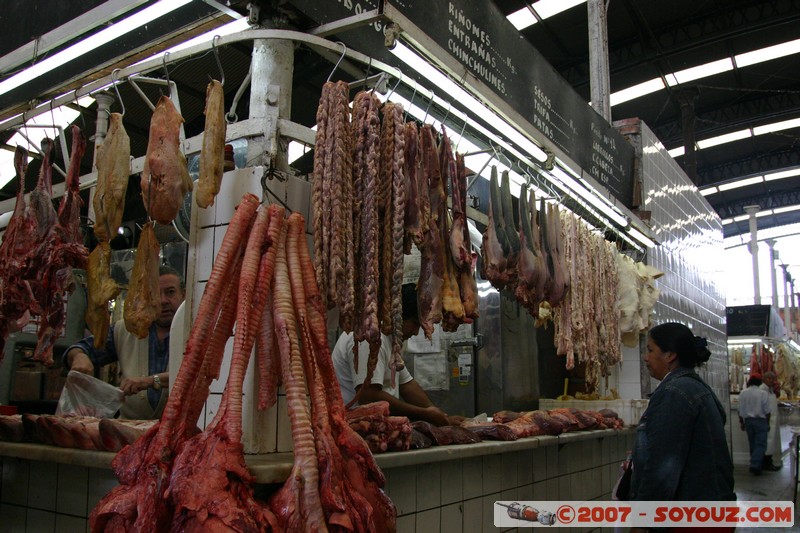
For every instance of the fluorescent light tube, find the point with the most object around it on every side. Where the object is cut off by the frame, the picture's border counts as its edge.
(743, 340)
(786, 209)
(92, 42)
(741, 183)
(782, 174)
(702, 71)
(726, 138)
(641, 237)
(457, 93)
(766, 54)
(677, 152)
(636, 91)
(709, 191)
(777, 126)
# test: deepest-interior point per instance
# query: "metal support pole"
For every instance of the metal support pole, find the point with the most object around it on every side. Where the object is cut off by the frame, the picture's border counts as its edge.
(773, 256)
(270, 91)
(751, 210)
(272, 70)
(598, 58)
(104, 101)
(686, 98)
(787, 322)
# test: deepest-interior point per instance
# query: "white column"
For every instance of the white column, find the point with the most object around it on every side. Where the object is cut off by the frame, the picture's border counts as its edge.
(773, 256)
(752, 210)
(598, 58)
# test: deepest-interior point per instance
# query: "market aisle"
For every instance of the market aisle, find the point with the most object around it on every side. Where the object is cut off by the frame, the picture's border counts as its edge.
(769, 486)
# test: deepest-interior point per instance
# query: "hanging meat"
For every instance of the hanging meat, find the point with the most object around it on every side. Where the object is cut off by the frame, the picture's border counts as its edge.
(415, 217)
(452, 308)
(560, 282)
(460, 248)
(509, 274)
(210, 486)
(467, 284)
(366, 159)
(332, 202)
(392, 200)
(495, 246)
(143, 301)
(113, 169)
(212, 152)
(100, 289)
(530, 267)
(350, 481)
(144, 468)
(165, 177)
(432, 261)
(19, 237)
(61, 249)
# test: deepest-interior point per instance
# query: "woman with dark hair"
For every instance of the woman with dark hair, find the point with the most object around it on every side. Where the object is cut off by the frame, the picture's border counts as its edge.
(681, 452)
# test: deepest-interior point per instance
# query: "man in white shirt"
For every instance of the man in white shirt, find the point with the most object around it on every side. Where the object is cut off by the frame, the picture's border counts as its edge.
(772, 455)
(754, 413)
(407, 398)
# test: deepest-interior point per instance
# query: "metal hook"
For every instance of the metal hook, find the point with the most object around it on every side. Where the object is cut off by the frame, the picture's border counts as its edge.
(344, 51)
(430, 101)
(114, 83)
(395, 85)
(216, 56)
(166, 70)
(80, 109)
(410, 102)
(366, 76)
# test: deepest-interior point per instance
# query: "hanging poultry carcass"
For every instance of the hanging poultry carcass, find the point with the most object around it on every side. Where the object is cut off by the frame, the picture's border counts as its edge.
(113, 170)
(165, 177)
(212, 152)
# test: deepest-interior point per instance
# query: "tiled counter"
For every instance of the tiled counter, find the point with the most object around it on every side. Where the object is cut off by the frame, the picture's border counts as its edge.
(449, 488)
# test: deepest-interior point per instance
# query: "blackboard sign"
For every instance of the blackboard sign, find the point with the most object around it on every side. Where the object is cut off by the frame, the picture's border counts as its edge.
(748, 320)
(489, 47)
(479, 37)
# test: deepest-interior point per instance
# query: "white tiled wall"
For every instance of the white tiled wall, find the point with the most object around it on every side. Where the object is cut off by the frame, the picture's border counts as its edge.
(457, 495)
(690, 237)
(43, 497)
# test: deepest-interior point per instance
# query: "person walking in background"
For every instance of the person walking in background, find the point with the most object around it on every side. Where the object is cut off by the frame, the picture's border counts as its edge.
(772, 455)
(754, 414)
(680, 452)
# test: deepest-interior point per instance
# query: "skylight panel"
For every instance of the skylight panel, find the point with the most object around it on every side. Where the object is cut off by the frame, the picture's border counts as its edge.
(523, 18)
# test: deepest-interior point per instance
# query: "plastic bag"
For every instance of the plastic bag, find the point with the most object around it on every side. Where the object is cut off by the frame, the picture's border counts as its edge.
(84, 395)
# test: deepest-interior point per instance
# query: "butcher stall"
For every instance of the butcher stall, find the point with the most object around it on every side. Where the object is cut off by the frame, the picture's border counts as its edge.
(299, 164)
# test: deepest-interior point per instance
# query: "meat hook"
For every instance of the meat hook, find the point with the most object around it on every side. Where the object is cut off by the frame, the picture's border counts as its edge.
(410, 102)
(344, 51)
(166, 70)
(396, 84)
(216, 56)
(114, 83)
(430, 101)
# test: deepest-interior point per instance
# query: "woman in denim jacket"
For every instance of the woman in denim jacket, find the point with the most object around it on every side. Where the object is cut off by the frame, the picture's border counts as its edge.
(681, 453)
